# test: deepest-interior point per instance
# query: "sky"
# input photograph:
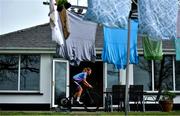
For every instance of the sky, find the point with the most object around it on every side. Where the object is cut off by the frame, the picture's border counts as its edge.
(21, 14)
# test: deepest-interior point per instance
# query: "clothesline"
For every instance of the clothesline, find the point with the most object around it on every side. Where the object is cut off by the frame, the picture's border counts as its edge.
(134, 14)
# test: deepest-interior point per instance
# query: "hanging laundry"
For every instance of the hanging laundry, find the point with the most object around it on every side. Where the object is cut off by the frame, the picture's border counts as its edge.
(80, 45)
(110, 13)
(64, 18)
(65, 23)
(115, 46)
(55, 24)
(158, 18)
(178, 24)
(177, 43)
(152, 49)
(62, 4)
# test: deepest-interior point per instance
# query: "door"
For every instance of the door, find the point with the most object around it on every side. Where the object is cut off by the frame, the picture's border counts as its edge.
(95, 79)
(60, 86)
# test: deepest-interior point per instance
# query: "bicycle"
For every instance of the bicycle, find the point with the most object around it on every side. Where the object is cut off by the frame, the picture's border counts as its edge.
(91, 101)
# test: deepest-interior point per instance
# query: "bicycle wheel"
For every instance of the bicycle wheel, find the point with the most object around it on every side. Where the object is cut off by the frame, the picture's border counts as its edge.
(64, 102)
(91, 101)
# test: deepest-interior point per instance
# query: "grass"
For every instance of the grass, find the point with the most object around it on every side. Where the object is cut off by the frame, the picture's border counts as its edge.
(34, 113)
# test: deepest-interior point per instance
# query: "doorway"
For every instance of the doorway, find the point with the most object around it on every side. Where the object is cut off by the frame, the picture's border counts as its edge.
(95, 79)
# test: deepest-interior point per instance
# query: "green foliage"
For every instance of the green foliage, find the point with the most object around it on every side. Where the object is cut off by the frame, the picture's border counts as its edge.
(167, 95)
(61, 2)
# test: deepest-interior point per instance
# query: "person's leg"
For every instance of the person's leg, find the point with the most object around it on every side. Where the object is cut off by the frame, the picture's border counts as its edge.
(75, 95)
(76, 87)
(78, 94)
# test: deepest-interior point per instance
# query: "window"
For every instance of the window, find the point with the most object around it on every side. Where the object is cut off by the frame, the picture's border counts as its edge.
(20, 72)
(112, 75)
(156, 73)
(60, 80)
(143, 73)
(29, 78)
(163, 73)
(177, 75)
(9, 72)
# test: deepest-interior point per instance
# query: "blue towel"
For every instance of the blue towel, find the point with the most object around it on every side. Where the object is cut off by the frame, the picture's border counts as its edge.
(178, 24)
(111, 13)
(115, 46)
(177, 42)
(158, 18)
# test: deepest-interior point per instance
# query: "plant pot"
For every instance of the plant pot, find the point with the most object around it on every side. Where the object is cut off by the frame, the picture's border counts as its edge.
(167, 105)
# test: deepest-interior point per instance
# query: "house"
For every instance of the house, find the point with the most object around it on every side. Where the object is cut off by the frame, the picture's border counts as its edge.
(32, 77)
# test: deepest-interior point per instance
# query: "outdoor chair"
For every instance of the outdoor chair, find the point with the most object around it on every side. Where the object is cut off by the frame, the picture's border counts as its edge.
(108, 100)
(154, 99)
(136, 96)
(118, 96)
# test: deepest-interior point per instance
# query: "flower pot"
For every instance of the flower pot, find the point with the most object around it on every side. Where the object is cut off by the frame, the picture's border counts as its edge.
(167, 105)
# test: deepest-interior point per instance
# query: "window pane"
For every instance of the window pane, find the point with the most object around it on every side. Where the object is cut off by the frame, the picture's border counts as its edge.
(163, 73)
(177, 75)
(112, 75)
(30, 72)
(143, 73)
(60, 80)
(9, 72)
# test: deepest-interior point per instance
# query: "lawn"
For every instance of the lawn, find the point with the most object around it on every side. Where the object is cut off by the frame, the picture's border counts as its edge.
(174, 113)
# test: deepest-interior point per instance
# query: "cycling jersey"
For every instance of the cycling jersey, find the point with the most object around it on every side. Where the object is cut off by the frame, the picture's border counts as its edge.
(80, 76)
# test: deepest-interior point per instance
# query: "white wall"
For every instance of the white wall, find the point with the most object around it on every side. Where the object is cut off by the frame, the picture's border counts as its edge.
(177, 100)
(123, 75)
(45, 86)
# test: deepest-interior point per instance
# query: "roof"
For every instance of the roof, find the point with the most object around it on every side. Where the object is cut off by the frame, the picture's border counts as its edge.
(34, 37)
(39, 37)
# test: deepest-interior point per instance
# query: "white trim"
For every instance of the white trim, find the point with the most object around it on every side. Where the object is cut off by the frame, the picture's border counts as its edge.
(174, 83)
(157, 91)
(53, 86)
(53, 80)
(40, 73)
(67, 79)
(15, 91)
(18, 50)
(19, 73)
(104, 81)
(105, 75)
(27, 48)
(152, 68)
(7, 50)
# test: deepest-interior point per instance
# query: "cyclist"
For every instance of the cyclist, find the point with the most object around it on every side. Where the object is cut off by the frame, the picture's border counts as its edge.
(79, 79)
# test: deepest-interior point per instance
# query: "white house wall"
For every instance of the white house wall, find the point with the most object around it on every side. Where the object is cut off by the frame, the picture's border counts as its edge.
(45, 87)
(123, 75)
(177, 100)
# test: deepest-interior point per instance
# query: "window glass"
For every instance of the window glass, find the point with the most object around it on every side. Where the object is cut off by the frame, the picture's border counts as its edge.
(30, 72)
(177, 75)
(163, 73)
(112, 75)
(9, 72)
(143, 73)
(60, 80)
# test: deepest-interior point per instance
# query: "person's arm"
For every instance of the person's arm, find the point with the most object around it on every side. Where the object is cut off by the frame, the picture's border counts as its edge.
(86, 83)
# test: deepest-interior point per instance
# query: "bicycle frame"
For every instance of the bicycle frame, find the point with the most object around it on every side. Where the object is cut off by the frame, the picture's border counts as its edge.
(88, 98)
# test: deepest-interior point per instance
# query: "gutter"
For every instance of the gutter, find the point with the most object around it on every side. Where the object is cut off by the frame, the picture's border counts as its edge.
(27, 50)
